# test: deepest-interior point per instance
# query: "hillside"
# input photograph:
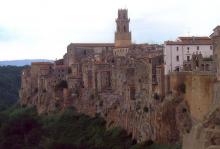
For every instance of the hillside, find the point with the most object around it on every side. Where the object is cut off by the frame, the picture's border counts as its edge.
(21, 62)
(67, 130)
(10, 77)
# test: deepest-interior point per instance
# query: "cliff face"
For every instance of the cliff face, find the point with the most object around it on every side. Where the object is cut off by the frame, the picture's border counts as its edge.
(163, 122)
(130, 105)
(126, 91)
(206, 134)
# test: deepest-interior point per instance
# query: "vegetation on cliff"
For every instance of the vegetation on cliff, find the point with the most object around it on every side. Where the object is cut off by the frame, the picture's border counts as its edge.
(22, 128)
(10, 82)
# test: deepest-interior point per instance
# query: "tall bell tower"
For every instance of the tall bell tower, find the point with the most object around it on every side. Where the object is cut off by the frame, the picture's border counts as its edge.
(122, 34)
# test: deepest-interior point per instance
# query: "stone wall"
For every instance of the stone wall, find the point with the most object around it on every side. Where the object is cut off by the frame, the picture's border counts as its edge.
(199, 91)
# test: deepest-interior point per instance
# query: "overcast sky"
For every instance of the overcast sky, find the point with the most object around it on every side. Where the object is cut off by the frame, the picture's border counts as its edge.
(43, 28)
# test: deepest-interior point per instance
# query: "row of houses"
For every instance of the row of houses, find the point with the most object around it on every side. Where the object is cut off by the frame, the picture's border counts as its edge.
(179, 54)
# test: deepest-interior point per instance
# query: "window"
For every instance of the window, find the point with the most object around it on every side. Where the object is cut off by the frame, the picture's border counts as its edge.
(124, 28)
(132, 93)
(188, 58)
(197, 47)
(210, 47)
(177, 48)
(177, 58)
(177, 68)
(188, 48)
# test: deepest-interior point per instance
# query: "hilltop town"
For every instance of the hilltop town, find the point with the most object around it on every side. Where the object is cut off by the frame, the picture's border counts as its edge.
(164, 93)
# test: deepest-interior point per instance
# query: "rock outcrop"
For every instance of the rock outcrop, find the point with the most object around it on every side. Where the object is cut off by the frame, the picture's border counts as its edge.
(163, 120)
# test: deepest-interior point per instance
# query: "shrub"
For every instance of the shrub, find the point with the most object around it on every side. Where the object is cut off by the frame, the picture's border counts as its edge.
(149, 142)
(67, 130)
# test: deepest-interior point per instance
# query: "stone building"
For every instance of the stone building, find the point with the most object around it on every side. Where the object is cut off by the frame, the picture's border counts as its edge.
(176, 52)
(121, 81)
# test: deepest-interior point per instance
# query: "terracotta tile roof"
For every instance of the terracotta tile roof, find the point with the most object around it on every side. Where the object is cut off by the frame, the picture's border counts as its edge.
(92, 44)
(41, 63)
(190, 41)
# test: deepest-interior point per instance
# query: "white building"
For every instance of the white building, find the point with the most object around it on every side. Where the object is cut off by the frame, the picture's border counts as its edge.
(175, 52)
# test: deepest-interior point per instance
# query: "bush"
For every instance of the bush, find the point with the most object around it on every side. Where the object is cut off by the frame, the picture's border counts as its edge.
(67, 130)
(20, 127)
